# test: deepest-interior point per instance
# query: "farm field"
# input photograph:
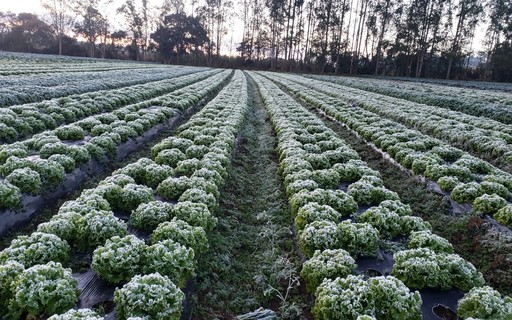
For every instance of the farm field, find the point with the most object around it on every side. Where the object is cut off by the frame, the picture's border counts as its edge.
(144, 191)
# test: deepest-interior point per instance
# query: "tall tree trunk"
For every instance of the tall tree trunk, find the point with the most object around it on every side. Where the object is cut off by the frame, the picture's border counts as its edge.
(292, 30)
(287, 29)
(338, 51)
(60, 43)
(381, 36)
(326, 40)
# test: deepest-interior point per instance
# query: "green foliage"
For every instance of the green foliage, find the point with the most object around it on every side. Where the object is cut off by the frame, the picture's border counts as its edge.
(336, 199)
(170, 259)
(313, 212)
(9, 270)
(489, 204)
(51, 172)
(183, 233)
(327, 264)
(379, 297)
(391, 219)
(38, 248)
(466, 192)
(489, 187)
(10, 196)
(484, 303)
(359, 239)
(96, 227)
(35, 291)
(80, 314)
(319, 235)
(447, 183)
(127, 198)
(326, 178)
(425, 239)
(420, 268)
(370, 190)
(26, 179)
(119, 259)
(197, 195)
(67, 162)
(153, 296)
(170, 157)
(194, 213)
(149, 215)
(70, 132)
(504, 215)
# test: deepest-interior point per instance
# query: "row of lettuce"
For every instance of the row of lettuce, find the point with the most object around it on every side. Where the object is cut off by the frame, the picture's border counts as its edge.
(468, 179)
(173, 196)
(40, 164)
(482, 136)
(21, 121)
(481, 103)
(333, 233)
(16, 63)
(21, 89)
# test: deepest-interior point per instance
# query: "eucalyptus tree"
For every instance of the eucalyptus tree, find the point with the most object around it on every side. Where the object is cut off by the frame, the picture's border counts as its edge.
(60, 17)
(91, 24)
(467, 17)
(499, 32)
(136, 16)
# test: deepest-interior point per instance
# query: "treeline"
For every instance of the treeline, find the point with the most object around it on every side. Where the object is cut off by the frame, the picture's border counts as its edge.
(411, 38)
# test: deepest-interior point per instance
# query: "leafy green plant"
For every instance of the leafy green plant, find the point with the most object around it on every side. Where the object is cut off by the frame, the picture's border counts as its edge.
(199, 196)
(35, 291)
(313, 212)
(489, 204)
(70, 132)
(447, 183)
(134, 195)
(391, 219)
(170, 259)
(9, 270)
(10, 196)
(80, 314)
(183, 233)
(194, 213)
(38, 248)
(379, 297)
(327, 264)
(119, 259)
(152, 296)
(466, 192)
(172, 188)
(370, 190)
(67, 162)
(94, 228)
(337, 199)
(420, 268)
(484, 303)
(489, 187)
(149, 215)
(353, 170)
(504, 215)
(359, 239)
(26, 179)
(425, 239)
(170, 157)
(319, 235)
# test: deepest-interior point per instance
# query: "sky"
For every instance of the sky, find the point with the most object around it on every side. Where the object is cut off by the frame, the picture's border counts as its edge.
(18, 6)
